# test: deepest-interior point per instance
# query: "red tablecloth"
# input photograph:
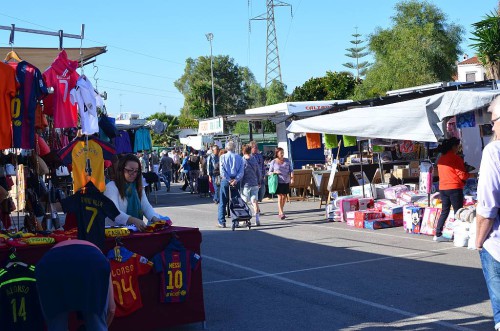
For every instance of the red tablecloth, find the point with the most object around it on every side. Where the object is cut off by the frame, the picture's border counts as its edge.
(153, 315)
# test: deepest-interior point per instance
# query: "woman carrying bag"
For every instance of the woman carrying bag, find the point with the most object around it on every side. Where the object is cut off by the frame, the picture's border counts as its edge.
(283, 169)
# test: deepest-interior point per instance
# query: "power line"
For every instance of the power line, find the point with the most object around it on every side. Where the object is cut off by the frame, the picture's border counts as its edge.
(135, 92)
(135, 72)
(133, 85)
(99, 42)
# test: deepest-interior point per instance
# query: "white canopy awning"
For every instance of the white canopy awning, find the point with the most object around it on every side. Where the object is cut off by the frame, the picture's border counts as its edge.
(418, 120)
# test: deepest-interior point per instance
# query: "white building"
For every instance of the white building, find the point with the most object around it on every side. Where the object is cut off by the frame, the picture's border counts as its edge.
(470, 70)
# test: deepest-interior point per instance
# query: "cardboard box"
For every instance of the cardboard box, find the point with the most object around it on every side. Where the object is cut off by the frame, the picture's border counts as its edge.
(414, 164)
(367, 215)
(350, 222)
(401, 173)
(412, 218)
(429, 221)
(370, 191)
(399, 166)
(347, 204)
(379, 188)
(366, 203)
(378, 224)
(360, 224)
(395, 192)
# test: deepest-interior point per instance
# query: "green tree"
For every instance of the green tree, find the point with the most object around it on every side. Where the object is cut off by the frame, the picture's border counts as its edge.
(357, 52)
(167, 137)
(276, 93)
(487, 43)
(420, 47)
(333, 86)
(241, 127)
(231, 90)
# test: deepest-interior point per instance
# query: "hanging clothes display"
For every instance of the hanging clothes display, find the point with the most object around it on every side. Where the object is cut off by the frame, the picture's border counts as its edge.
(7, 93)
(88, 100)
(330, 141)
(62, 76)
(142, 140)
(313, 140)
(122, 143)
(32, 89)
(349, 141)
(466, 120)
(87, 162)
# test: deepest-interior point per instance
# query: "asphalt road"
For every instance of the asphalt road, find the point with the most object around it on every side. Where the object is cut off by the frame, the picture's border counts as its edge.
(305, 273)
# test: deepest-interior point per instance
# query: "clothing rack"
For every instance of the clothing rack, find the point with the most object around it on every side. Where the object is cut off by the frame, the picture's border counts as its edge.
(59, 34)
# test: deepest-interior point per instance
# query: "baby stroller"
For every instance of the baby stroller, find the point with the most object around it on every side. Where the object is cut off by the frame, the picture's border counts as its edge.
(238, 209)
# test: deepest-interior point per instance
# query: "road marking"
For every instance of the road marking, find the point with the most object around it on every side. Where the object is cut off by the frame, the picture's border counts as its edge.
(421, 318)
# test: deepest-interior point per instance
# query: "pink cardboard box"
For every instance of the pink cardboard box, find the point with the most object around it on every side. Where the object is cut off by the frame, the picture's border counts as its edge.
(350, 221)
(395, 192)
(429, 221)
(349, 204)
(366, 203)
(367, 215)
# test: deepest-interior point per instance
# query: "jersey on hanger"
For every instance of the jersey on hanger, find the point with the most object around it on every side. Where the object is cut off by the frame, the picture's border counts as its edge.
(19, 305)
(126, 267)
(88, 100)
(91, 209)
(31, 90)
(8, 87)
(83, 171)
(62, 76)
(176, 264)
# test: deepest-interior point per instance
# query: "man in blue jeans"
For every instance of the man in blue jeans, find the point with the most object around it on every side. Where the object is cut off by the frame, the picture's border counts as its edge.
(260, 161)
(231, 171)
(488, 220)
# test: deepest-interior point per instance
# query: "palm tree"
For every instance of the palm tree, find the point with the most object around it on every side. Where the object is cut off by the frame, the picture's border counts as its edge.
(487, 43)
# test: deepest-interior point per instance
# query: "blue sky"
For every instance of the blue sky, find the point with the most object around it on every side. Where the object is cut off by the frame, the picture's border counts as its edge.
(149, 41)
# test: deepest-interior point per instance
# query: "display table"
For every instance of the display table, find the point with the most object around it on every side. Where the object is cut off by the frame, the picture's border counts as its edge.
(153, 315)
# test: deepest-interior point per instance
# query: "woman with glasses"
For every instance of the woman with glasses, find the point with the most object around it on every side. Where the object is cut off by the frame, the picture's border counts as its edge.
(128, 195)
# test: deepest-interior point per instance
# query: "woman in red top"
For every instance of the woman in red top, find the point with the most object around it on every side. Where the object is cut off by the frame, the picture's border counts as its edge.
(452, 177)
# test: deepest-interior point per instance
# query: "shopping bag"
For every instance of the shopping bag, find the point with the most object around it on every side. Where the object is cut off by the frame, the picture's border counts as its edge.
(272, 183)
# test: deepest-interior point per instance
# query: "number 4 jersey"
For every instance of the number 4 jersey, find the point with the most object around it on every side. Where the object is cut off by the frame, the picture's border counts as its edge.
(126, 267)
(19, 305)
(176, 264)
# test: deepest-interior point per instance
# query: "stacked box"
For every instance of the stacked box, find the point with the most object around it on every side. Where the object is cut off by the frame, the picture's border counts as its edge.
(367, 215)
(380, 204)
(376, 224)
(410, 196)
(412, 218)
(366, 203)
(397, 222)
(395, 192)
(429, 221)
(391, 210)
(360, 224)
(348, 204)
(350, 222)
(369, 191)
(379, 188)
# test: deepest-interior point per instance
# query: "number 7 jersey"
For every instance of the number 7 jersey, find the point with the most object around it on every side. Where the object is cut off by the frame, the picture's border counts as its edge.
(175, 264)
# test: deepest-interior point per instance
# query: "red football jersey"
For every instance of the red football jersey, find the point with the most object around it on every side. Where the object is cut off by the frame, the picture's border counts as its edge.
(62, 76)
(126, 267)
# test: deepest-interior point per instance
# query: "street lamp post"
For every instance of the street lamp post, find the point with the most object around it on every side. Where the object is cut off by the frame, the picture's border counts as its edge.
(210, 37)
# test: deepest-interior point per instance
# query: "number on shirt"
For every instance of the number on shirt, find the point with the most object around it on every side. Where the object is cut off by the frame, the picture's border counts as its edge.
(66, 84)
(174, 280)
(92, 218)
(15, 107)
(121, 286)
(21, 312)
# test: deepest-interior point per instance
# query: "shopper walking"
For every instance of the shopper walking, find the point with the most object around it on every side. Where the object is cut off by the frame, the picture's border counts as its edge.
(488, 220)
(452, 177)
(251, 181)
(184, 169)
(260, 161)
(175, 167)
(166, 164)
(213, 169)
(283, 168)
(231, 170)
(194, 171)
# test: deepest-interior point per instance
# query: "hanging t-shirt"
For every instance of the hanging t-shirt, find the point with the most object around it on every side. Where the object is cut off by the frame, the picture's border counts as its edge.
(31, 90)
(8, 86)
(176, 264)
(88, 100)
(126, 267)
(91, 208)
(122, 143)
(19, 305)
(142, 140)
(330, 140)
(349, 141)
(87, 162)
(313, 140)
(62, 76)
